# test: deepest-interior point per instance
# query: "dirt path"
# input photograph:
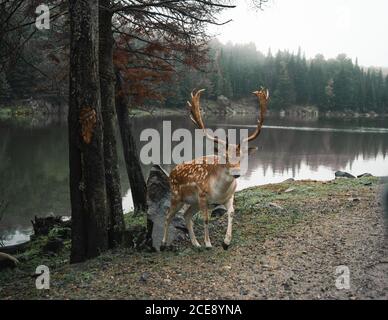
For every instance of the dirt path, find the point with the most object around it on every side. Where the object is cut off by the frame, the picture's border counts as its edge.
(302, 263)
(289, 253)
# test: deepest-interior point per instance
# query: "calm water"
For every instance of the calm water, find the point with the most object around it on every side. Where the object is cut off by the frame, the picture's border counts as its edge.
(34, 159)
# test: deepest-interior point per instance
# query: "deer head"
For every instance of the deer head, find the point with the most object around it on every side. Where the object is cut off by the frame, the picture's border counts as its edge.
(232, 153)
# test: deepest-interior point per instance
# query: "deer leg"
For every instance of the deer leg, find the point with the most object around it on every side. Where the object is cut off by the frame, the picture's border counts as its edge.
(174, 208)
(230, 214)
(189, 224)
(205, 214)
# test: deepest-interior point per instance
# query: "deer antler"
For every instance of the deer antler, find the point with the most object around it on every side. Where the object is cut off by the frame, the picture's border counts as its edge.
(263, 97)
(196, 117)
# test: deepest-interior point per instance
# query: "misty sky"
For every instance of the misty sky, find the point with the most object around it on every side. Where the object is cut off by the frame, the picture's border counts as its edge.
(358, 28)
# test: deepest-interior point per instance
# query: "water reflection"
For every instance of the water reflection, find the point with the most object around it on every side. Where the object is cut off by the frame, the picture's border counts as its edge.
(34, 159)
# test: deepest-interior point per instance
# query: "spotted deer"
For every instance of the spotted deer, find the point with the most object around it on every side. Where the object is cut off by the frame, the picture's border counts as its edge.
(210, 179)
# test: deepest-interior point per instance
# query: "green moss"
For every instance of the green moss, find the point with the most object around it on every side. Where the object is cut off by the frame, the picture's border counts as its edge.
(132, 220)
(5, 113)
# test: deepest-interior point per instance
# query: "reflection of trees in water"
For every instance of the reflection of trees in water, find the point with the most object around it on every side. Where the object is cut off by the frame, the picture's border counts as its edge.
(33, 171)
(34, 161)
(286, 149)
(281, 150)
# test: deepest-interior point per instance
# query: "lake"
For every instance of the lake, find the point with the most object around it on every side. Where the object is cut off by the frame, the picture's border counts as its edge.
(34, 159)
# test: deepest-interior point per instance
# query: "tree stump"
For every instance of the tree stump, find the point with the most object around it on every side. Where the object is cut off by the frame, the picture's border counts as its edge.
(158, 201)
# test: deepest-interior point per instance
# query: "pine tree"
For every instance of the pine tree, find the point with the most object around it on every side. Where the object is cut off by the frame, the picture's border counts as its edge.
(5, 88)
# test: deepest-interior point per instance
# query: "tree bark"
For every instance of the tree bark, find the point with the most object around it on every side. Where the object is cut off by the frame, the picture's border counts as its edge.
(86, 152)
(132, 161)
(107, 84)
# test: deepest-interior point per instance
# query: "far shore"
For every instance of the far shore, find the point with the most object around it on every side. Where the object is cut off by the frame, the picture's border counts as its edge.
(303, 112)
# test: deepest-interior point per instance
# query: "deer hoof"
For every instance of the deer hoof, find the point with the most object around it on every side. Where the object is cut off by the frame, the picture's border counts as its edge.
(225, 246)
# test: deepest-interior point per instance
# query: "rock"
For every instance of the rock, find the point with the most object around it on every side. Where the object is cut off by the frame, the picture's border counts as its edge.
(223, 103)
(289, 180)
(364, 175)
(276, 206)
(218, 211)
(144, 277)
(158, 201)
(7, 261)
(342, 174)
(289, 190)
(244, 292)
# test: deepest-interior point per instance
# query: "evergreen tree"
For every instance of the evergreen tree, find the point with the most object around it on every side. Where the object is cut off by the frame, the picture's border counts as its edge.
(5, 88)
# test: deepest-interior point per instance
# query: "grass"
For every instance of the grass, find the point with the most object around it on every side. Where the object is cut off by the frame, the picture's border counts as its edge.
(262, 213)
(5, 113)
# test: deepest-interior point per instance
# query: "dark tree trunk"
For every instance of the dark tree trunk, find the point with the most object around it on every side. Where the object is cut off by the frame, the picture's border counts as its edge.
(132, 161)
(86, 151)
(107, 83)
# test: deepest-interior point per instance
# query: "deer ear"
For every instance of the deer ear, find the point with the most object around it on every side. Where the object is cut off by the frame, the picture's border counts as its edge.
(252, 150)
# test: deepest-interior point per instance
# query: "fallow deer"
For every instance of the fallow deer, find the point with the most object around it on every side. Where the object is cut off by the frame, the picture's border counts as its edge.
(208, 180)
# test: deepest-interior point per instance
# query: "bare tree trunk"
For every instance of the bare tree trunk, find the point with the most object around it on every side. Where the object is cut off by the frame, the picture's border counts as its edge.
(86, 152)
(132, 161)
(107, 83)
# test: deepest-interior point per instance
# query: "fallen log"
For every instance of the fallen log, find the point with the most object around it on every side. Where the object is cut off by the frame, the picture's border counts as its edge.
(42, 227)
(16, 248)
(7, 261)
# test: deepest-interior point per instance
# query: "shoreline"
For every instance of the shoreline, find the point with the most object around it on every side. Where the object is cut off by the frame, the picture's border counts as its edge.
(284, 234)
(241, 109)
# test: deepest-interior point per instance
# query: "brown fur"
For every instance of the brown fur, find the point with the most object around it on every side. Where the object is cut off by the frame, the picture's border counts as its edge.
(207, 180)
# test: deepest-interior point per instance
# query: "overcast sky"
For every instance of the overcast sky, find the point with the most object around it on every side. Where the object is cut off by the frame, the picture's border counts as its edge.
(358, 28)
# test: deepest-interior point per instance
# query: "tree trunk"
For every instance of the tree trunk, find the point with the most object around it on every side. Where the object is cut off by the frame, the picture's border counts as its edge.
(132, 161)
(107, 83)
(86, 151)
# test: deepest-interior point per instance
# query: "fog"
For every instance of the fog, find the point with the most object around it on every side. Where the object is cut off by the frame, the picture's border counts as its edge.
(355, 27)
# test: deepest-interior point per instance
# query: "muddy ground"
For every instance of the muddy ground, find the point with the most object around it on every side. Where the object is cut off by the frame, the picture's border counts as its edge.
(288, 241)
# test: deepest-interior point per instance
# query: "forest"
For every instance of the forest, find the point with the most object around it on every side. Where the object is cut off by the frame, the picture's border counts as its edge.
(38, 68)
(83, 214)
(329, 84)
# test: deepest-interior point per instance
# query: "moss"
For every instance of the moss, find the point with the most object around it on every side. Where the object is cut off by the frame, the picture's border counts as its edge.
(5, 113)
(256, 221)
(131, 220)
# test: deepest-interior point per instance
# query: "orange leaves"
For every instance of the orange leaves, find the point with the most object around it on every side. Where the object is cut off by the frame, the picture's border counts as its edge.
(88, 120)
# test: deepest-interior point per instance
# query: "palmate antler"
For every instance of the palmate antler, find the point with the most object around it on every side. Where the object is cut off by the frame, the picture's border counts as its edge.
(196, 117)
(263, 97)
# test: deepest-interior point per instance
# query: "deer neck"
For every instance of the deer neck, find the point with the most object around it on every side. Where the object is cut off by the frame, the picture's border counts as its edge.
(223, 183)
